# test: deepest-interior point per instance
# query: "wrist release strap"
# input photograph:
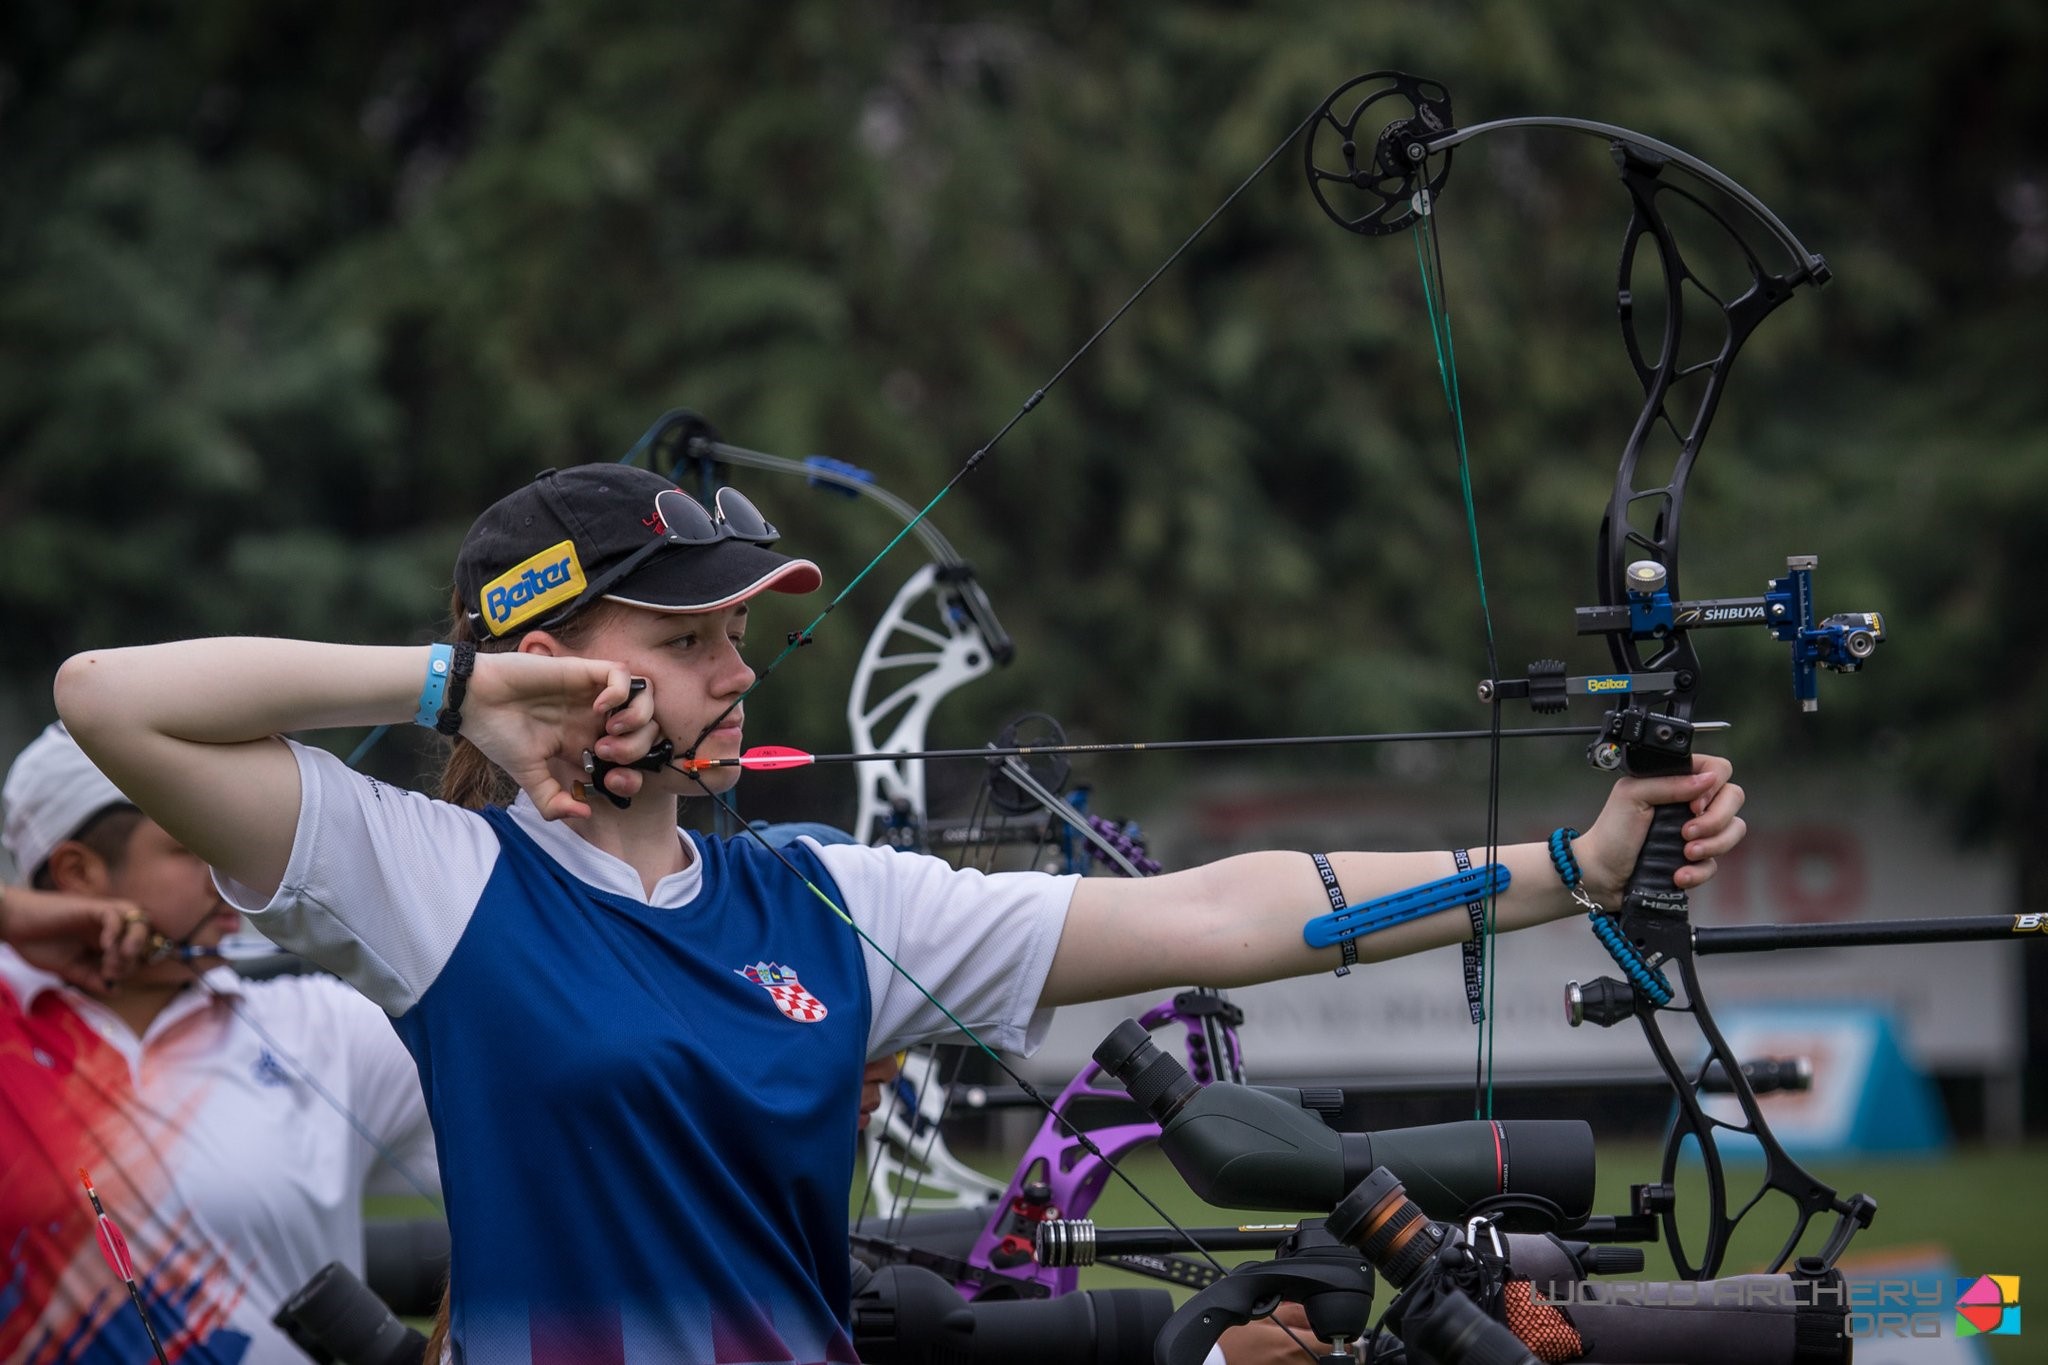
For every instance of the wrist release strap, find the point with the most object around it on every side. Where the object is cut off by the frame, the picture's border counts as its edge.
(449, 721)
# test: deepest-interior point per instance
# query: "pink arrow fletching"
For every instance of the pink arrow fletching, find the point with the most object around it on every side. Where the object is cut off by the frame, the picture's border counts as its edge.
(114, 1247)
(774, 758)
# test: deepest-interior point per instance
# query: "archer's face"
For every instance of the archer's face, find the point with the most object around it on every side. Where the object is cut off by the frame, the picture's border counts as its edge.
(693, 663)
(173, 888)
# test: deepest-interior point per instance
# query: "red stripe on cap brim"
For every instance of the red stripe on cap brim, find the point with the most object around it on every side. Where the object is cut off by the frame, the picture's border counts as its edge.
(797, 576)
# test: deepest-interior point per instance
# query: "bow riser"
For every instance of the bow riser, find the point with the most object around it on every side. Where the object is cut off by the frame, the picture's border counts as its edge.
(1637, 569)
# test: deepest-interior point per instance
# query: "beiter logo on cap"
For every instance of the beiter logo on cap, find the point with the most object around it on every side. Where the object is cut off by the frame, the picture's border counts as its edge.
(532, 586)
(545, 552)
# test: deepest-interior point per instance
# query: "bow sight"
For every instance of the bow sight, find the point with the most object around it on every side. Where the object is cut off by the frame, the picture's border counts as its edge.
(1634, 741)
(1840, 643)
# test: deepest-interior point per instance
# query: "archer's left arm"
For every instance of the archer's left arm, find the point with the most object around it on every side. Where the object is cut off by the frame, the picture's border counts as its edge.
(1239, 920)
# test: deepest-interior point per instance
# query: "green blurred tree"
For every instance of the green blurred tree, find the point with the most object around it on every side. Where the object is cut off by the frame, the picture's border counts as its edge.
(291, 293)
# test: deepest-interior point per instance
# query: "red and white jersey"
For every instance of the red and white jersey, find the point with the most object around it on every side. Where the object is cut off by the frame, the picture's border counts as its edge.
(211, 1148)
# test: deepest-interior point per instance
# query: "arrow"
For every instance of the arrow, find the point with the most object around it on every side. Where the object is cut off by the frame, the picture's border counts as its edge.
(772, 758)
(114, 1247)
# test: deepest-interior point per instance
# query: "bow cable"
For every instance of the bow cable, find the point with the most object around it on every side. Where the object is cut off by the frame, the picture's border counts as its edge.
(802, 637)
(1430, 262)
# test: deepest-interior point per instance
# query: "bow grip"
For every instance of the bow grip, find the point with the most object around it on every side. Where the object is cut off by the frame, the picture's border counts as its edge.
(1651, 883)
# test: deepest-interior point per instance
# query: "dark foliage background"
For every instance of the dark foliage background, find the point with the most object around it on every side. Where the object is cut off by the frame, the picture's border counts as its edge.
(289, 291)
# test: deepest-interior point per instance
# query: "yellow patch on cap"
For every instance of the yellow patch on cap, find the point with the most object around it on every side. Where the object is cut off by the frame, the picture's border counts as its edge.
(531, 587)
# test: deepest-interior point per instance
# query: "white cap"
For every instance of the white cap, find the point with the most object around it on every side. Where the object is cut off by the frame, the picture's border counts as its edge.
(51, 791)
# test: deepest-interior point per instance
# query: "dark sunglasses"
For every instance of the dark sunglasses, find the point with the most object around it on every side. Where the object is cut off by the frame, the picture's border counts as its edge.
(732, 518)
(687, 523)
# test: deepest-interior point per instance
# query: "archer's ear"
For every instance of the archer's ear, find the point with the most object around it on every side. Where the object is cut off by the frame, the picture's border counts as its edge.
(541, 642)
(78, 870)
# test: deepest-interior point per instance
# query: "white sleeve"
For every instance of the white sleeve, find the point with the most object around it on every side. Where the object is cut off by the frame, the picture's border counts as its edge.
(380, 884)
(982, 943)
(387, 1086)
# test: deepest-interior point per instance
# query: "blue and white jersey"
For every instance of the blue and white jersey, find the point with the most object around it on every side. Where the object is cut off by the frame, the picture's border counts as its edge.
(644, 1104)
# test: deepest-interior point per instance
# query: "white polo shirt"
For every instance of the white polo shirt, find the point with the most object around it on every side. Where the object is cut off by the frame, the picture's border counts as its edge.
(233, 1179)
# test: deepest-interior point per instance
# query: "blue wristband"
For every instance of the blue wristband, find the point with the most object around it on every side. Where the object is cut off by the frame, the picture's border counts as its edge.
(440, 658)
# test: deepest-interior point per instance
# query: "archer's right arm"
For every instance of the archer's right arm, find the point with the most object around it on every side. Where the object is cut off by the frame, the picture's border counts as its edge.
(188, 730)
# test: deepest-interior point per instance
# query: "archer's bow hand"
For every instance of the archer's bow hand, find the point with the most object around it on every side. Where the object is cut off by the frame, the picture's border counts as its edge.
(1607, 852)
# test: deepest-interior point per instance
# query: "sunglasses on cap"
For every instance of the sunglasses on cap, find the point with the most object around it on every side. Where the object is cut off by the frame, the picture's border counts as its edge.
(685, 521)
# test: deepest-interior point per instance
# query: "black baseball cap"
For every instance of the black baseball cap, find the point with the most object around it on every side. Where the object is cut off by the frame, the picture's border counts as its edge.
(543, 553)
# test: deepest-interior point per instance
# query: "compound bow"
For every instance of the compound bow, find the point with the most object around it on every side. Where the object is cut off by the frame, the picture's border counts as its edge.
(1390, 184)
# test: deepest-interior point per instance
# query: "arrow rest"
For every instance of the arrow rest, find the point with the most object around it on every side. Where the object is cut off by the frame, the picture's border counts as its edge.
(1050, 771)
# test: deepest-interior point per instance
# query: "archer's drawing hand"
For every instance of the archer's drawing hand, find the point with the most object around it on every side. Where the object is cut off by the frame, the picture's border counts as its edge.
(534, 715)
(90, 941)
(1607, 852)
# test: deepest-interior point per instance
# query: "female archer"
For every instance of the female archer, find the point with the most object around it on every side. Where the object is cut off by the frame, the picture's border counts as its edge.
(642, 1047)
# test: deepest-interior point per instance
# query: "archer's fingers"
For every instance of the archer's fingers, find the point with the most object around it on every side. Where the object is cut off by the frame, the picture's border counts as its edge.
(628, 746)
(130, 946)
(1713, 813)
(1694, 874)
(124, 937)
(1717, 767)
(624, 782)
(555, 803)
(1717, 844)
(619, 696)
(1684, 789)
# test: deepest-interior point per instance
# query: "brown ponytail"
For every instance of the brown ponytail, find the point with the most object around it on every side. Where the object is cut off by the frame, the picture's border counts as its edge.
(467, 777)
(437, 1340)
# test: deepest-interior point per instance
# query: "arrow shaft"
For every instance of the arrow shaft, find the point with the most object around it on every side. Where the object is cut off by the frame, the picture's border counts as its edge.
(1158, 746)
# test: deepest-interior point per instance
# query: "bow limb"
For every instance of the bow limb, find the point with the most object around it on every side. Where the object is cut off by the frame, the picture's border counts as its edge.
(950, 648)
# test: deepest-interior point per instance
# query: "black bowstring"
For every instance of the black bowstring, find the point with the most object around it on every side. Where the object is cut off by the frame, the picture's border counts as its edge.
(802, 637)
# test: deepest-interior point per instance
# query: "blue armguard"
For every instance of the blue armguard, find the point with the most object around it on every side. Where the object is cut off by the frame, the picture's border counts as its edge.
(1369, 917)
